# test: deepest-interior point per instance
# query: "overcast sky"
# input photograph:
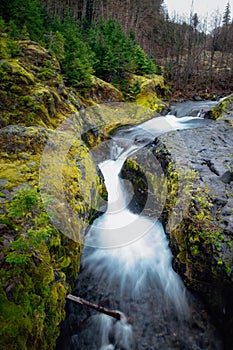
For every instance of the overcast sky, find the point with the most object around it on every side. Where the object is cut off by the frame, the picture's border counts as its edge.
(201, 7)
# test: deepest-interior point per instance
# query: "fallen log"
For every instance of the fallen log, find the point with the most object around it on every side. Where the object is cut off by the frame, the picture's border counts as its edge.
(116, 314)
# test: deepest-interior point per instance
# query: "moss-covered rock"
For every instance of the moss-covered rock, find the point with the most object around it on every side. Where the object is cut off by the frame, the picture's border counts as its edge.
(102, 92)
(225, 105)
(192, 192)
(197, 213)
(38, 263)
(149, 91)
(32, 90)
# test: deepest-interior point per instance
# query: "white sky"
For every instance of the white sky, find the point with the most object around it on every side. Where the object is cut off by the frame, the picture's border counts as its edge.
(201, 7)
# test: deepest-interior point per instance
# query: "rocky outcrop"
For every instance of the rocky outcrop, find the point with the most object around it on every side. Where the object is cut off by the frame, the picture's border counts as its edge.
(38, 263)
(149, 91)
(103, 92)
(202, 243)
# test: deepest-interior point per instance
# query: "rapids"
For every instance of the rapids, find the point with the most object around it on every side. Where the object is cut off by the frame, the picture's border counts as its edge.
(127, 266)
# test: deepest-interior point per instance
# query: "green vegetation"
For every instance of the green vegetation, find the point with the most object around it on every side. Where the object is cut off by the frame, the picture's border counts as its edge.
(33, 275)
(224, 105)
(99, 48)
(39, 264)
(24, 19)
(198, 234)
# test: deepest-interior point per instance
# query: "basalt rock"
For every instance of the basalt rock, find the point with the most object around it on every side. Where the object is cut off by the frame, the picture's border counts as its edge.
(202, 243)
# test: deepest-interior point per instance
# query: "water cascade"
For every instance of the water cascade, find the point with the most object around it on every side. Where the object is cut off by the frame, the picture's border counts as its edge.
(127, 266)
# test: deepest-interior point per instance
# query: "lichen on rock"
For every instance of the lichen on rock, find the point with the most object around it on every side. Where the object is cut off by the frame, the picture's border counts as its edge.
(149, 91)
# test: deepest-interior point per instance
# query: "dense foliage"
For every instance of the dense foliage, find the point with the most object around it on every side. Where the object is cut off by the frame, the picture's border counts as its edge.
(100, 48)
(195, 53)
(32, 292)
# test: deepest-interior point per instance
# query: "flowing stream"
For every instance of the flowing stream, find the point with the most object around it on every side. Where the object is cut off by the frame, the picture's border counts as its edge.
(127, 266)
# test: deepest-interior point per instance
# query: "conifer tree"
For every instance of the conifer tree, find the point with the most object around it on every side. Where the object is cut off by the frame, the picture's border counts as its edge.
(25, 14)
(77, 60)
(227, 15)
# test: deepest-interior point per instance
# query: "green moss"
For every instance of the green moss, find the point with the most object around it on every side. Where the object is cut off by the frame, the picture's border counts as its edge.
(149, 91)
(132, 164)
(221, 108)
(30, 289)
(100, 92)
(150, 100)
(38, 252)
(194, 251)
(13, 334)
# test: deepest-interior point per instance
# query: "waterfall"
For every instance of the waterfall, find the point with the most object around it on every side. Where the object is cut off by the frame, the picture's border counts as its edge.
(131, 253)
(126, 266)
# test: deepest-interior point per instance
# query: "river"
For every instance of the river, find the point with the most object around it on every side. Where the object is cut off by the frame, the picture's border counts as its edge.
(126, 264)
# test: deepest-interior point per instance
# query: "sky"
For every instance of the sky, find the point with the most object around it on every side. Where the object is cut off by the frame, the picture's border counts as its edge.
(201, 7)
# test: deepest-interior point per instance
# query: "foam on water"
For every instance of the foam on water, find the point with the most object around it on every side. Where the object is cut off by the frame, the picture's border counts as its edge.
(139, 264)
(131, 251)
(119, 332)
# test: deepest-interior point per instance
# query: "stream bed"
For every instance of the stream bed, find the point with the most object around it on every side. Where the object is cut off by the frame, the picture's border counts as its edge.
(126, 265)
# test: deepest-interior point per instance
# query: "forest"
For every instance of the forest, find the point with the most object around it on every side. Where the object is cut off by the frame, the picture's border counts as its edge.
(92, 37)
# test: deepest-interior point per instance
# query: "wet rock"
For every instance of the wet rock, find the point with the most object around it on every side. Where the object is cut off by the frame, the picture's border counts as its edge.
(203, 242)
(227, 177)
(196, 97)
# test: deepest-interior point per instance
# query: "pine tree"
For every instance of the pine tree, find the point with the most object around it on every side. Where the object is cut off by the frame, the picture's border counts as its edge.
(78, 58)
(113, 51)
(57, 45)
(27, 14)
(227, 15)
(143, 63)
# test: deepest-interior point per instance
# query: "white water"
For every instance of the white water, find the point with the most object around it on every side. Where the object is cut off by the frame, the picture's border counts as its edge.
(131, 251)
(127, 264)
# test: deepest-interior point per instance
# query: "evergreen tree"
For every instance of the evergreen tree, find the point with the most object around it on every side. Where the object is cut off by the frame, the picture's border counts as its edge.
(227, 15)
(26, 14)
(5, 9)
(77, 60)
(13, 30)
(143, 63)
(195, 21)
(2, 25)
(113, 51)
(57, 45)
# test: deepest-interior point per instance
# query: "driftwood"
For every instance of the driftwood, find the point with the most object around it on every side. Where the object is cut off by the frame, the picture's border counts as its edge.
(116, 314)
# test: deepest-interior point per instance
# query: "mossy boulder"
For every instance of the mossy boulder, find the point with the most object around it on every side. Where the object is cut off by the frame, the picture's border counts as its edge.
(38, 263)
(102, 92)
(198, 213)
(225, 105)
(32, 90)
(149, 91)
